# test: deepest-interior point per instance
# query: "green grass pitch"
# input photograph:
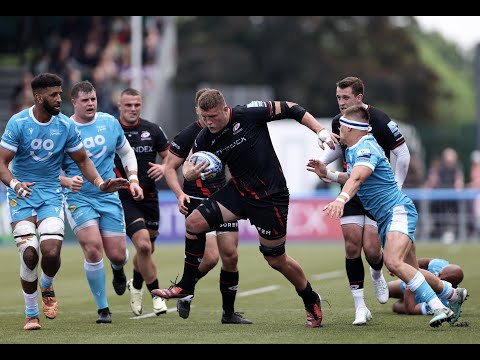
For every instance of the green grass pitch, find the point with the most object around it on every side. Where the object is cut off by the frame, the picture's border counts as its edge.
(275, 309)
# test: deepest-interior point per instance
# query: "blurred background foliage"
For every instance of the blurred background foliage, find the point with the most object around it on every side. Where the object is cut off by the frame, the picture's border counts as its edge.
(416, 77)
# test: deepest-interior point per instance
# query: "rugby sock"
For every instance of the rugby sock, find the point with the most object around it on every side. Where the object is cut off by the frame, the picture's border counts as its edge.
(355, 273)
(228, 288)
(376, 269)
(447, 292)
(96, 278)
(194, 250)
(46, 281)
(152, 286)
(137, 280)
(424, 309)
(359, 298)
(31, 304)
(419, 286)
(308, 296)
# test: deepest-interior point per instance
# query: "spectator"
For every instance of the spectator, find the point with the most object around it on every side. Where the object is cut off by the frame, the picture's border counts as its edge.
(447, 175)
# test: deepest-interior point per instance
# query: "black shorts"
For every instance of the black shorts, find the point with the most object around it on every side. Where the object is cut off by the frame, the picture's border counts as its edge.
(355, 207)
(225, 227)
(269, 214)
(147, 209)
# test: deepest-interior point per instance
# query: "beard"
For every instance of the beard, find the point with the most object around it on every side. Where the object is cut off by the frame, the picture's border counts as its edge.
(50, 109)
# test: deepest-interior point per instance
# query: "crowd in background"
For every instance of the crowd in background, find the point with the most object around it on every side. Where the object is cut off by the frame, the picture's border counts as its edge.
(103, 59)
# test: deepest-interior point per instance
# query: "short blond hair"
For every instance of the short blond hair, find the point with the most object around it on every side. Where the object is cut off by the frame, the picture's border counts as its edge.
(211, 99)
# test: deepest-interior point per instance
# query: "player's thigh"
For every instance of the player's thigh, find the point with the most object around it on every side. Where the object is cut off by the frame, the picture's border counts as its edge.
(111, 220)
(131, 210)
(270, 215)
(230, 202)
(151, 214)
(80, 212)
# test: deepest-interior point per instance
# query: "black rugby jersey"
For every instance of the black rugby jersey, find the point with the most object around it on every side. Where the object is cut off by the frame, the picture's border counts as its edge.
(245, 146)
(384, 130)
(180, 147)
(147, 140)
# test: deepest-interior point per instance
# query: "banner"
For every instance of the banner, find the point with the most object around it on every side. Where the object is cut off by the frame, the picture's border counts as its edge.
(306, 222)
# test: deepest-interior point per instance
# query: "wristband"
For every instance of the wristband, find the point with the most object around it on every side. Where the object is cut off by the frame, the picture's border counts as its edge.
(13, 183)
(98, 182)
(339, 199)
(332, 175)
(133, 178)
(347, 197)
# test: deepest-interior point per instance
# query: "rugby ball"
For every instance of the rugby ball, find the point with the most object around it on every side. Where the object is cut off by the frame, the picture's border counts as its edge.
(214, 163)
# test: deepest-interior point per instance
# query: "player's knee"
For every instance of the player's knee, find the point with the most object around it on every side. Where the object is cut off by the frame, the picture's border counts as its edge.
(196, 223)
(118, 256)
(210, 260)
(144, 247)
(352, 249)
(209, 215)
(230, 258)
(27, 244)
(51, 228)
(273, 255)
(392, 263)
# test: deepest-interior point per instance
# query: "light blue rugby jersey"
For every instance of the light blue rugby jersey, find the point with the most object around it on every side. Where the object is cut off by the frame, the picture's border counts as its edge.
(437, 265)
(39, 147)
(379, 193)
(101, 138)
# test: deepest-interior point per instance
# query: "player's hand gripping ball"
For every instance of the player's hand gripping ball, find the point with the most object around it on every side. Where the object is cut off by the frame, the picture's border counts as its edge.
(214, 163)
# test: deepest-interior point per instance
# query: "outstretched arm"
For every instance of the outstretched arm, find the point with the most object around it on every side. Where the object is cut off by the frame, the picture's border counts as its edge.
(90, 172)
(357, 178)
(291, 110)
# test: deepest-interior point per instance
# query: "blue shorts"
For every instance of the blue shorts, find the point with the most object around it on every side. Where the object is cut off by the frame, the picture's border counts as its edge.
(402, 218)
(107, 209)
(43, 203)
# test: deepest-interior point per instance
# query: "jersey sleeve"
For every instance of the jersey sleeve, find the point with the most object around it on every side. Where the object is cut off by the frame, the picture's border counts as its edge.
(260, 111)
(180, 146)
(391, 133)
(120, 135)
(364, 156)
(74, 139)
(200, 142)
(161, 140)
(10, 138)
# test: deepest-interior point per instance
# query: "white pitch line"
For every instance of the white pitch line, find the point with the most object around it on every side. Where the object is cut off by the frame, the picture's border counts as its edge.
(329, 275)
(149, 315)
(259, 290)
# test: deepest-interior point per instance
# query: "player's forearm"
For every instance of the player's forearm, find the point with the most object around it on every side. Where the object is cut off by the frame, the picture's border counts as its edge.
(351, 184)
(172, 181)
(310, 122)
(5, 158)
(5, 174)
(88, 169)
(129, 161)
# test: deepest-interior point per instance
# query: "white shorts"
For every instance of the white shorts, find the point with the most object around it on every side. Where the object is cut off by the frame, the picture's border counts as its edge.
(360, 220)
